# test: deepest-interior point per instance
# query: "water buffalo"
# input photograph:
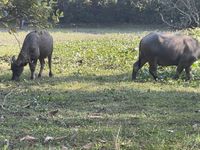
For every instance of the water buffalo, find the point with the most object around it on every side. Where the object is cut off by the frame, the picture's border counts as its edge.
(37, 45)
(166, 49)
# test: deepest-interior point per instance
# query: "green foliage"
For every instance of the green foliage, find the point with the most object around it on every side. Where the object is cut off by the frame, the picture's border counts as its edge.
(35, 13)
(175, 13)
(109, 11)
(43, 13)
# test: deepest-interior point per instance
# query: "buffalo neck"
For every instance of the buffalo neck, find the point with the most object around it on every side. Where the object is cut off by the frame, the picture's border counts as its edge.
(22, 59)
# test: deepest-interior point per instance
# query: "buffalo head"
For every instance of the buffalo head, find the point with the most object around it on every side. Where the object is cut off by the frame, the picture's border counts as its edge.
(17, 69)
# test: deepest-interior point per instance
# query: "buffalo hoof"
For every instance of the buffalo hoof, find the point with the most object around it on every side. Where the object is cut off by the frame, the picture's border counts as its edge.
(187, 78)
(156, 78)
(175, 77)
(17, 79)
(133, 79)
(50, 74)
(32, 77)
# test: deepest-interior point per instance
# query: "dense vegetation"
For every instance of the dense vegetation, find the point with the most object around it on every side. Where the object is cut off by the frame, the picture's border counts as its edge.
(175, 13)
(109, 11)
(37, 13)
(44, 13)
(91, 102)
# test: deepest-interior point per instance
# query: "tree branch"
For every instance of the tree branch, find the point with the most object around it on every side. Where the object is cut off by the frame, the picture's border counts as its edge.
(170, 25)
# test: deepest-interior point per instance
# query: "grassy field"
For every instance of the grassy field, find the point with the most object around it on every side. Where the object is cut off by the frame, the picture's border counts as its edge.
(91, 102)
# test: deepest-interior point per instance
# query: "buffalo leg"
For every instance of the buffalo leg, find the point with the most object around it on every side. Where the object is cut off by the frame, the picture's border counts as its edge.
(187, 71)
(42, 62)
(153, 69)
(32, 66)
(136, 67)
(179, 69)
(188, 68)
(49, 63)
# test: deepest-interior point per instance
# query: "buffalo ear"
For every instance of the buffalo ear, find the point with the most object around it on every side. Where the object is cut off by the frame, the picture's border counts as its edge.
(13, 59)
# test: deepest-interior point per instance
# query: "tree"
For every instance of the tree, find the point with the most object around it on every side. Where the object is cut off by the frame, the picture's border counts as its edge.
(109, 11)
(180, 13)
(36, 13)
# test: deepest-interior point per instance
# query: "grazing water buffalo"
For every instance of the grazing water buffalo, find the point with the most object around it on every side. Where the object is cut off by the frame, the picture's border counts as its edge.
(166, 50)
(37, 45)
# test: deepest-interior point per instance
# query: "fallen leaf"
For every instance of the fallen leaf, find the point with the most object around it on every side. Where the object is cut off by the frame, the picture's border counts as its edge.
(64, 148)
(28, 138)
(171, 131)
(27, 106)
(87, 146)
(53, 113)
(2, 118)
(195, 126)
(95, 116)
(48, 139)
(7, 142)
(60, 138)
(101, 141)
(197, 111)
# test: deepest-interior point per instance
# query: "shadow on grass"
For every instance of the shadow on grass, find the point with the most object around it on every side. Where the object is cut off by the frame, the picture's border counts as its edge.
(142, 111)
(143, 77)
(148, 113)
(25, 78)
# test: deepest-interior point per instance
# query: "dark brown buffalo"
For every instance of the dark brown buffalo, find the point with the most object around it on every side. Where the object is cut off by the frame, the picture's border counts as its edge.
(166, 50)
(37, 45)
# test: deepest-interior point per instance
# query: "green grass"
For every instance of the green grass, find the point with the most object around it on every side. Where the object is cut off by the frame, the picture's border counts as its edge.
(97, 102)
